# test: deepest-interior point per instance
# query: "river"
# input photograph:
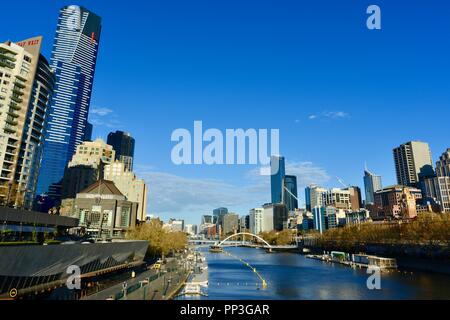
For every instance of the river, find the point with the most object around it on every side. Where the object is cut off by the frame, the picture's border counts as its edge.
(292, 276)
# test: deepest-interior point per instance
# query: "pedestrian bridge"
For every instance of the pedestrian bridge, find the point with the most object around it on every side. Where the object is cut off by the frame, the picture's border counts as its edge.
(228, 242)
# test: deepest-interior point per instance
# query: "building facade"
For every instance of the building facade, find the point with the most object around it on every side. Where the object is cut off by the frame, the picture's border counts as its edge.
(230, 224)
(372, 183)
(126, 181)
(123, 143)
(412, 160)
(86, 167)
(256, 220)
(314, 197)
(26, 87)
(396, 202)
(102, 210)
(278, 173)
(291, 196)
(74, 58)
(338, 198)
(319, 214)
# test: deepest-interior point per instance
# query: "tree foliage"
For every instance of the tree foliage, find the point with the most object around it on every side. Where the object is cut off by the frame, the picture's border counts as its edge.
(282, 238)
(161, 241)
(428, 228)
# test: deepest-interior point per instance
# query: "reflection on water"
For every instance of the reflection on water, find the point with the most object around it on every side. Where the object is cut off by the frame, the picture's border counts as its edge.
(294, 277)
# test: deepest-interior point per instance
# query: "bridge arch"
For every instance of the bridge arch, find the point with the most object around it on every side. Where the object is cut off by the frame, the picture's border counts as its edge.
(245, 234)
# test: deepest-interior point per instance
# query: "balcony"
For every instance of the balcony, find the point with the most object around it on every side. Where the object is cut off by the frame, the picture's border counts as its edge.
(19, 84)
(16, 99)
(4, 56)
(6, 64)
(17, 92)
(15, 106)
(12, 114)
(12, 122)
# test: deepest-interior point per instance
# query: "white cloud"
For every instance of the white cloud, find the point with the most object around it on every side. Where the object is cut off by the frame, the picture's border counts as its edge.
(330, 115)
(104, 117)
(100, 111)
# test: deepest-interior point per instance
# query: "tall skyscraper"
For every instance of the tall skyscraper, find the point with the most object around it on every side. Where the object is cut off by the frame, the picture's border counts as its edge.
(74, 58)
(413, 160)
(218, 215)
(290, 182)
(278, 174)
(314, 197)
(26, 86)
(443, 165)
(372, 183)
(123, 143)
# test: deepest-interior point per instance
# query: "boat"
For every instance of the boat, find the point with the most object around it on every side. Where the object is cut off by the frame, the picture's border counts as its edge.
(215, 249)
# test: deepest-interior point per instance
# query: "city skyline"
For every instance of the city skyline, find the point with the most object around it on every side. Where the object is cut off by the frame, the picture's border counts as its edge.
(330, 103)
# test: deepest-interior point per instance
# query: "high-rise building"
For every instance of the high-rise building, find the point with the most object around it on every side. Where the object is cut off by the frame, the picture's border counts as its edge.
(230, 224)
(338, 198)
(319, 214)
(372, 183)
(26, 87)
(126, 181)
(355, 198)
(123, 143)
(413, 160)
(278, 214)
(86, 167)
(218, 215)
(314, 197)
(256, 220)
(443, 165)
(74, 58)
(278, 173)
(290, 198)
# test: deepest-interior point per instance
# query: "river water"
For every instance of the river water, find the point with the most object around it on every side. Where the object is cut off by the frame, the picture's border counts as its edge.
(292, 276)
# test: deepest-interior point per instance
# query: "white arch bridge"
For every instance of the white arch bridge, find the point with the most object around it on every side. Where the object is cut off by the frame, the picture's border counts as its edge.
(227, 242)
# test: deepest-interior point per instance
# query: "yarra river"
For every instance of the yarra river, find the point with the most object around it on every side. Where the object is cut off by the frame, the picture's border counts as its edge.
(292, 276)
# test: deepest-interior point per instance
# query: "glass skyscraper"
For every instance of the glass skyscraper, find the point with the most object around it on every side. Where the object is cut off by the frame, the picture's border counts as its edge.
(74, 58)
(290, 200)
(123, 143)
(372, 183)
(278, 174)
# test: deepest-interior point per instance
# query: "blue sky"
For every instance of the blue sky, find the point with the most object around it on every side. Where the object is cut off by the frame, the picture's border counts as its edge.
(340, 94)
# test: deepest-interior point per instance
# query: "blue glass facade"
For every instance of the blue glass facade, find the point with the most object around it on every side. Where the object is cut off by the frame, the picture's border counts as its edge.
(290, 197)
(278, 168)
(74, 58)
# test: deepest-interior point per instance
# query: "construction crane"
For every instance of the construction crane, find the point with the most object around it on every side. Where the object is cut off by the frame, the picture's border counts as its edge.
(343, 183)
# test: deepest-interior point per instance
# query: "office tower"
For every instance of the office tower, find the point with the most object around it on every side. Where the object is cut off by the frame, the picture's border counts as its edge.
(74, 58)
(206, 219)
(290, 198)
(355, 198)
(256, 220)
(319, 214)
(442, 181)
(443, 165)
(337, 198)
(412, 160)
(86, 167)
(230, 224)
(123, 143)
(278, 173)
(88, 131)
(278, 215)
(372, 183)
(126, 181)
(26, 86)
(314, 197)
(218, 215)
